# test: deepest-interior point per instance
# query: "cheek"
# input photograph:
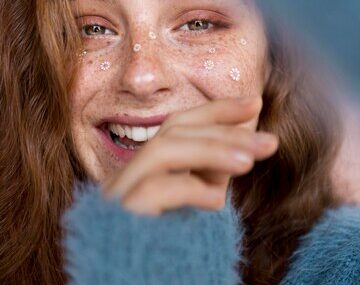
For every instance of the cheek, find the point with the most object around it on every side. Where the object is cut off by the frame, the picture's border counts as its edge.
(224, 76)
(95, 72)
(226, 68)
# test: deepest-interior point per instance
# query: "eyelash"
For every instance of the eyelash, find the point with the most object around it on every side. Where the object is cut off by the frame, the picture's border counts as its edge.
(213, 25)
(108, 32)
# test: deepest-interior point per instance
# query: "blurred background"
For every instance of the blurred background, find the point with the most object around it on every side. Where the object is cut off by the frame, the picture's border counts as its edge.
(331, 27)
(330, 31)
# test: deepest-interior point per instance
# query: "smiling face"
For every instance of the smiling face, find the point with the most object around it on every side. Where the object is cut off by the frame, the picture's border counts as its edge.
(146, 59)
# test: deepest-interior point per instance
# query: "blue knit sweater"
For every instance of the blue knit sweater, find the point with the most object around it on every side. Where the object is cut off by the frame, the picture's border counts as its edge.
(108, 245)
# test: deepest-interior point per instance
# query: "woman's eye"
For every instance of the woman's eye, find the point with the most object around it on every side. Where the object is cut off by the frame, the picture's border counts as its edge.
(96, 30)
(197, 25)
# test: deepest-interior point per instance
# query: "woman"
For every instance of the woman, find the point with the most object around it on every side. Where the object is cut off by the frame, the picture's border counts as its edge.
(85, 84)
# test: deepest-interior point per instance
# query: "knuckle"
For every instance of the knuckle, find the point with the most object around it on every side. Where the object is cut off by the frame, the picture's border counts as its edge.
(211, 143)
(191, 183)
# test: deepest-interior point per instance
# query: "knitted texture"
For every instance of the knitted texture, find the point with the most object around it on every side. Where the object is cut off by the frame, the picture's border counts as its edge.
(330, 253)
(105, 244)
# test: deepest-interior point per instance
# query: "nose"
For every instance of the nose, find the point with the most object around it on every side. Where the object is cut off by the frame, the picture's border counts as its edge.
(146, 73)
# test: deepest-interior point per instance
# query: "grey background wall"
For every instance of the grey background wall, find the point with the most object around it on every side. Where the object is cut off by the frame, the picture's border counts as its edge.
(333, 26)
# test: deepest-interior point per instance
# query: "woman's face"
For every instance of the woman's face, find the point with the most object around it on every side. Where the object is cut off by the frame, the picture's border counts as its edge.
(146, 59)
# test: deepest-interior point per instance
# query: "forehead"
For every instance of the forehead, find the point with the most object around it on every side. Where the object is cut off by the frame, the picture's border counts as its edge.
(114, 2)
(131, 8)
(172, 3)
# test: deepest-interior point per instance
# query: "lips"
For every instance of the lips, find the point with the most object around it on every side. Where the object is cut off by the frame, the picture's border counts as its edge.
(124, 135)
(133, 121)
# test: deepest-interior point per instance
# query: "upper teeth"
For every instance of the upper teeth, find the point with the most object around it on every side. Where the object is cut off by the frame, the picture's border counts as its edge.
(138, 134)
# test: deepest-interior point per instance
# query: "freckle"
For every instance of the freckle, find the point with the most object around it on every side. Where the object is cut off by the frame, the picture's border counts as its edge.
(90, 62)
(221, 38)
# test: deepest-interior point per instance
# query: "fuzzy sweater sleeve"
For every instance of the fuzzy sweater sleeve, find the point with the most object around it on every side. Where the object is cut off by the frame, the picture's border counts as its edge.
(330, 252)
(104, 244)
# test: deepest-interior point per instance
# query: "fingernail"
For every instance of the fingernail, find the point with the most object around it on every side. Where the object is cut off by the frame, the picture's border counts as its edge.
(242, 157)
(264, 139)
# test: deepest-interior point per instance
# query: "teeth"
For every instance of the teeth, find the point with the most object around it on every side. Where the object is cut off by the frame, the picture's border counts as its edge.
(117, 130)
(131, 147)
(138, 134)
(121, 132)
(128, 132)
(152, 131)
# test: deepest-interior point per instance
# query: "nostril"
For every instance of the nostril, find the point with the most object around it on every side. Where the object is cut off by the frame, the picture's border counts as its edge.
(163, 90)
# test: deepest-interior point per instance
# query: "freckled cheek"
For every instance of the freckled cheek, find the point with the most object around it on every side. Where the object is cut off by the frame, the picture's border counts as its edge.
(90, 80)
(96, 68)
(222, 75)
(226, 76)
(99, 64)
(94, 74)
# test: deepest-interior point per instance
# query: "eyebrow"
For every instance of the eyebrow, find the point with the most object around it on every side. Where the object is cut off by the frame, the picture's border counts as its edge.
(106, 1)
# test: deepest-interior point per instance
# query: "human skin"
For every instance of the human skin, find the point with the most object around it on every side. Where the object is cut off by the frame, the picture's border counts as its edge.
(167, 79)
(347, 166)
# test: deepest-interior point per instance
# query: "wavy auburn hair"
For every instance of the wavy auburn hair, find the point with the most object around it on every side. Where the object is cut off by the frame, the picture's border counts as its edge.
(282, 197)
(279, 200)
(37, 165)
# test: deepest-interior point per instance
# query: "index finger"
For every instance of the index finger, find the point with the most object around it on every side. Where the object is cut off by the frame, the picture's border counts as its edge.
(224, 111)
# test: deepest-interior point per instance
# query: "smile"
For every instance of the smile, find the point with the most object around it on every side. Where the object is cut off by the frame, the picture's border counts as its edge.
(130, 137)
(124, 135)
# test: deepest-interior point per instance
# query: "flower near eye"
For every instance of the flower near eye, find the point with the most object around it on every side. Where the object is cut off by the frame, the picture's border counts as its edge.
(209, 64)
(235, 74)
